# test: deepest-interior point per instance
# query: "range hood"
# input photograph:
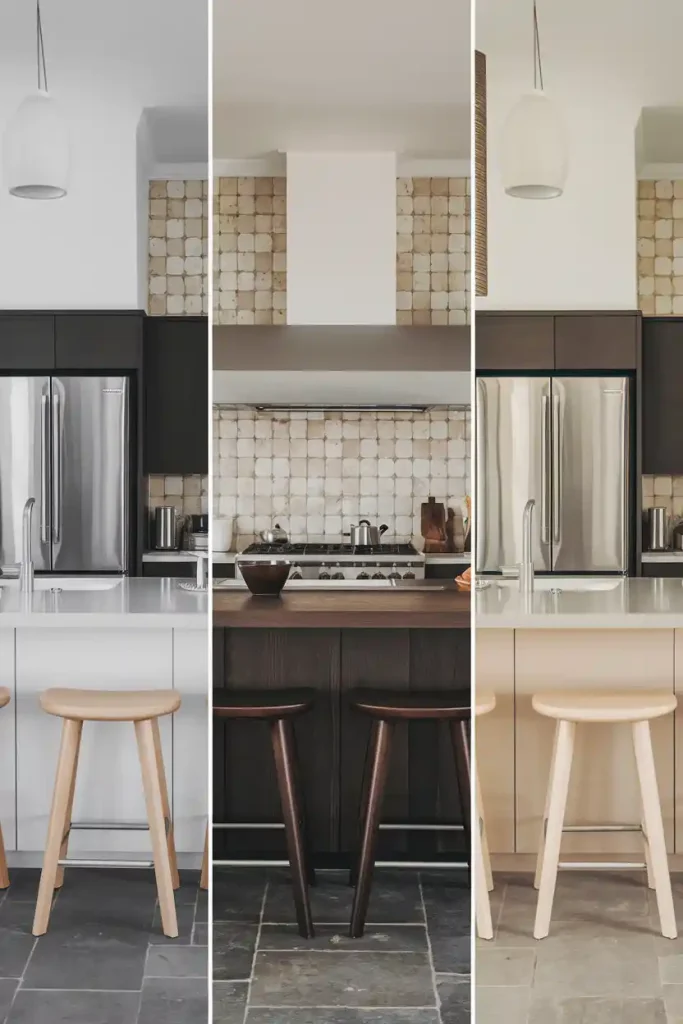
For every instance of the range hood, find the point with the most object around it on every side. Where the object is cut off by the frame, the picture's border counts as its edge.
(341, 367)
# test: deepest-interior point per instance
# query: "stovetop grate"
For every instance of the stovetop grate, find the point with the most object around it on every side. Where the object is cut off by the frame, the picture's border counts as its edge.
(330, 550)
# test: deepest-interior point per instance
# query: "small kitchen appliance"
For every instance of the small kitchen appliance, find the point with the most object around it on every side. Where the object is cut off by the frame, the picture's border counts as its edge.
(340, 561)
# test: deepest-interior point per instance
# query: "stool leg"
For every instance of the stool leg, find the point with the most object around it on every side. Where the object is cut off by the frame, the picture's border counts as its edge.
(159, 757)
(648, 856)
(59, 880)
(4, 873)
(481, 830)
(64, 781)
(460, 736)
(310, 870)
(652, 812)
(482, 901)
(559, 787)
(364, 794)
(544, 823)
(283, 751)
(366, 861)
(163, 869)
(204, 880)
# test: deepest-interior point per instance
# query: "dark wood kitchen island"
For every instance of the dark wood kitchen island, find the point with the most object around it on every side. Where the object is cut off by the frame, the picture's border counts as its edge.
(333, 641)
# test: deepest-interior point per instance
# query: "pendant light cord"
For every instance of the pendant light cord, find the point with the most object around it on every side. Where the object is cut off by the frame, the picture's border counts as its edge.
(538, 66)
(40, 50)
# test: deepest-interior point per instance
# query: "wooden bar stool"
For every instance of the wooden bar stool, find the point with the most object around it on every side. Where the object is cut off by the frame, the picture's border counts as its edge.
(278, 708)
(387, 708)
(483, 877)
(143, 708)
(635, 709)
(5, 698)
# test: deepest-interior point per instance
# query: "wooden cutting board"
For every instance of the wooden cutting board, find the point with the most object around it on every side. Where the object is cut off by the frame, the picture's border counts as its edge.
(433, 525)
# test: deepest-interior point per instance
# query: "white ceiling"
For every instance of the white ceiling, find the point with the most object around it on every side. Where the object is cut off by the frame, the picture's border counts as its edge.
(363, 73)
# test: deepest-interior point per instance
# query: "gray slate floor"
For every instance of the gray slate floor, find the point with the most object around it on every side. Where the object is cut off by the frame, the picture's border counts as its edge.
(411, 967)
(104, 959)
(604, 962)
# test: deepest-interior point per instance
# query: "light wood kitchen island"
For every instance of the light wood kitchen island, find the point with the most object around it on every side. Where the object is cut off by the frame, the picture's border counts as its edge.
(618, 634)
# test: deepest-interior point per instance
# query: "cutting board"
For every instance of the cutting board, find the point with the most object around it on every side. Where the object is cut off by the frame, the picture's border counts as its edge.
(433, 525)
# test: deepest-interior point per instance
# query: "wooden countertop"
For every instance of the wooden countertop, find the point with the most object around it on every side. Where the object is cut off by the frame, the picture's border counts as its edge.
(443, 609)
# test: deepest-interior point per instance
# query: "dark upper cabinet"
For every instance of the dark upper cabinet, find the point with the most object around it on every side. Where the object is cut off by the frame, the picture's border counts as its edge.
(662, 386)
(511, 342)
(98, 341)
(27, 342)
(176, 390)
(596, 341)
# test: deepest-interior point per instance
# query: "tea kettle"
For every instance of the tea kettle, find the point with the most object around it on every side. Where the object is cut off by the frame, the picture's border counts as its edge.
(365, 536)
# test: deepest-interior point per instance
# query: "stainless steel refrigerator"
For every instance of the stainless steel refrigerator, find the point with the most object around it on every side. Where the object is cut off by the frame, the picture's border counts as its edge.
(564, 441)
(65, 442)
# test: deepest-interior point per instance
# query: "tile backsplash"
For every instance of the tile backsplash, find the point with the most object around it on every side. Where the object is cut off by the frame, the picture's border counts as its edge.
(189, 494)
(660, 247)
(316, 473)
(432, 240)
(178, 248)
(666, 491)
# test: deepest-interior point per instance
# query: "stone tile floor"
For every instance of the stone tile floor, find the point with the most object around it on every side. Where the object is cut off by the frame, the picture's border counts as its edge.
(104, 959)
(604, 962)
(411, 967)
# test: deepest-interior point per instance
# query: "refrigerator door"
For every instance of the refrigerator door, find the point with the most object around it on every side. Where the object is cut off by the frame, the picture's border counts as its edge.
(590, 435)
(24, 466)
(90, 453)
(512, 419)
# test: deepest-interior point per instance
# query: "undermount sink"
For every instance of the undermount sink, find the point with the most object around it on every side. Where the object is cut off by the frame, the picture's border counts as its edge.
(576, 584)
(66, 583)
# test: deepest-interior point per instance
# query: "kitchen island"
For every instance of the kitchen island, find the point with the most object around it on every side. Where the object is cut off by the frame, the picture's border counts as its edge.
(576, 633)
(334, 640)
(100, 633)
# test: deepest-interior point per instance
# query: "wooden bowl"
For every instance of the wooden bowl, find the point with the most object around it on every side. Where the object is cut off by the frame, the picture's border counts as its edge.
(265, 579)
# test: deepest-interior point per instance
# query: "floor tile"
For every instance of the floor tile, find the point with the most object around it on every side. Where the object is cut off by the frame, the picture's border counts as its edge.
(447, 901)
(16, 940)
(200, 934)
(394, 938)
(673, 1000)
(74, 1008)
(345, 1016)
(342, 979)
(8, 987)
(625, 967)
(597, 1011)
(454, 999)
(233, 943)
(92, 956)
(174, 1001)
(201, 912)
(185, 917)
(498, 965)
(238, 894)
(23, 885)
(600, 895)
(498, 1004)
(229, 1002)
(395, 899)
(177, 962)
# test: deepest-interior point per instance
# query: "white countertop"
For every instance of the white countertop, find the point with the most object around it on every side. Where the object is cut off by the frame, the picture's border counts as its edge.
(170, 556)
(131, 603)
(662, 556)
(463, 558)
(634, 603)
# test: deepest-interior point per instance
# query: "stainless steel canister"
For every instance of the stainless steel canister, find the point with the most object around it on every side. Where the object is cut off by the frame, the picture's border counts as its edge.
(165, 528)
(658, 532)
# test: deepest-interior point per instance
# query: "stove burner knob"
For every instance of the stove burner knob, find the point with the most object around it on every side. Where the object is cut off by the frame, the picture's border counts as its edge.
(378, 576)
(324, 573)
(362, 576)
(409, 575)
(394, 574)
(295, 574)
(338, 576)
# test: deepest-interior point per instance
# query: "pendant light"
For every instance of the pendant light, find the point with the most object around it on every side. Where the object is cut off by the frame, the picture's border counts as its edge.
(36, 146)
(534, 148)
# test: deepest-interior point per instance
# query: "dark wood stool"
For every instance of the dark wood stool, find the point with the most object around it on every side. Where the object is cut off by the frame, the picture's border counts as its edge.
(278, 708)
(387, 708)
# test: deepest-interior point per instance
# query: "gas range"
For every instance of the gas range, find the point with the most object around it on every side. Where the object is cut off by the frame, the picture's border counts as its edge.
(340, 561)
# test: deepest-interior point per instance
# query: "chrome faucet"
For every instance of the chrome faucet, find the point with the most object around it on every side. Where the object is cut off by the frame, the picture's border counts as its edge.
(24, 570)
(526, 568)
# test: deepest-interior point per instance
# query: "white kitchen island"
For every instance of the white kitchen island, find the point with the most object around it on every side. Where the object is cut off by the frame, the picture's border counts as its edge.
(101, 634)
(572, 633)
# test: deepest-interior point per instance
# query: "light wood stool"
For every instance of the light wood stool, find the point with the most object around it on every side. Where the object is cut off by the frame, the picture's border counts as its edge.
(143, 708)
(483, 877)
(635, 708)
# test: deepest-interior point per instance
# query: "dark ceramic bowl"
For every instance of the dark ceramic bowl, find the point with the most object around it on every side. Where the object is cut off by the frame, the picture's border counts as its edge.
(265, 579)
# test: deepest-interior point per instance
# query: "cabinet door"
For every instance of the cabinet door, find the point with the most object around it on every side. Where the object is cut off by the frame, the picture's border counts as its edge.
(663, 570)
(27, 342)
(8, 778)
(176, 383)
(509, 342)
(662, 405)
(190, 730)
(98, 341)
(596, 342)
(174, 570)
(495, 737)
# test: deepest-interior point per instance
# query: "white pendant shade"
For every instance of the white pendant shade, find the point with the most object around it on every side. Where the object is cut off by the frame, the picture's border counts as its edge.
(534, 149)
(36, 150)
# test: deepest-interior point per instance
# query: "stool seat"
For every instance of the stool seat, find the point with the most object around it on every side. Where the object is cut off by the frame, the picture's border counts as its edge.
(109, 705)
(609, 706)
(262, 703)
(485, 701)
(401, 704)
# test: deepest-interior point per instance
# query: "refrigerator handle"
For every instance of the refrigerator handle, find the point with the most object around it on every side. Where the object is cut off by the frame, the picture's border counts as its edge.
(557, 469)
(479, 474)
(44, 471)
(545, 471)
(56, 469)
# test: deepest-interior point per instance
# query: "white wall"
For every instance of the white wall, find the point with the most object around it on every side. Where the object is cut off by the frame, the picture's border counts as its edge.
(577, 251)
(341, 238)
